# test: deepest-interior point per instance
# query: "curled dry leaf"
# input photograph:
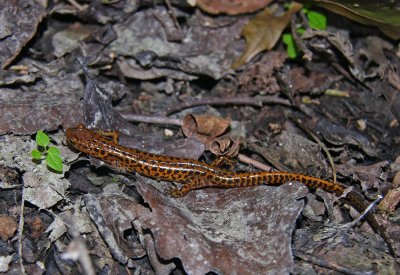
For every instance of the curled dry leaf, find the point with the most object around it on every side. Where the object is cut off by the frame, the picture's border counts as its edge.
(226, 146)
(264, 31)
(204, 127)
(231, 7)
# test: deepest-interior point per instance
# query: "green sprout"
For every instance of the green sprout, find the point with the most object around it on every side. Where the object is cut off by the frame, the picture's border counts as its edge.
(316, 20)
(53, 156)
(291, 47)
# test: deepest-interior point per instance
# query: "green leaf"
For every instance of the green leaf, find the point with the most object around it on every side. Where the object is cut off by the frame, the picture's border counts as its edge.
(42, 139)
(300, 31)
(36, 154)
(291, 51)
(54, 160)
(291, 48)
(287, 38)
(317, 20)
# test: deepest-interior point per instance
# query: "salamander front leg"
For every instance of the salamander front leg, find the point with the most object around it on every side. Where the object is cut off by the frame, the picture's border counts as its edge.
(113, 135)
(224, 162)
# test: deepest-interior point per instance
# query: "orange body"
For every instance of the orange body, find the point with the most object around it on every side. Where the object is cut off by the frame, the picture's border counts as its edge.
(193, 174)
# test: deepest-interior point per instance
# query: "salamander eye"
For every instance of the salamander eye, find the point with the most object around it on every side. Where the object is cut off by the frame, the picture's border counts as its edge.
(72, 140)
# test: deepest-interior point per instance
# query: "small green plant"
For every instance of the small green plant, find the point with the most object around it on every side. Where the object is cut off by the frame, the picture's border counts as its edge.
(53, 156)
(291, 47)
(316, 20)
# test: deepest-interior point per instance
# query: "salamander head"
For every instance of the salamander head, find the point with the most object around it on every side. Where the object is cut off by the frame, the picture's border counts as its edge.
(81, 138)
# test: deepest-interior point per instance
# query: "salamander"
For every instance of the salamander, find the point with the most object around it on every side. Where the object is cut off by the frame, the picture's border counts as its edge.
(195, 174)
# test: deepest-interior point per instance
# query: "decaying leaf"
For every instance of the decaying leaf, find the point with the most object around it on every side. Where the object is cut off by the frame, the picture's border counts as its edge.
(232, 7)
(262, 32)
(69, 38)
(25, 113)
(338, 135)
(7, 227)
(142, 33)
(49, 186)
(242, 230)
(374, 53)
(19, 21)
(259, 78)
(314, 82)
(390, 201)
(204, 127)
(381, 14)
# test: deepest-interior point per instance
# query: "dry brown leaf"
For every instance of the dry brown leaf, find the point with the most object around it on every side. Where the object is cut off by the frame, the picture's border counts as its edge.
(7, 227)
(263, 32)
(390, 201)
(259, 78)
(231, 231)
(204, 127)
(381, 14)
(36, 227)
(232, 7)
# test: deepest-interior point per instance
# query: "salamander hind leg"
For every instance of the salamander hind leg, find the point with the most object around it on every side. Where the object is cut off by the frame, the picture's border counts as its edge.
(195, 183)
(177, 192)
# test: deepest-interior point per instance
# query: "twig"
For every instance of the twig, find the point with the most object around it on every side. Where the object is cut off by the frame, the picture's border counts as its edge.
(362, 216)
(254, 101)
(330, 265)
(299, 43)
(78, 6)
(254, 163)
(21, 230)
(173, 16)
(264, 153)
(320, 143)
(156, 119)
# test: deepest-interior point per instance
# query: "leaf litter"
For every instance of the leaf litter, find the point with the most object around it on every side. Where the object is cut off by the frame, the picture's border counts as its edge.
(149, 59)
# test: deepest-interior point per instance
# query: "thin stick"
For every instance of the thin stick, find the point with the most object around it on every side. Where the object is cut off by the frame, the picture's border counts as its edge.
(21, 230)
(253, 162)
(155, 119)
(257, 101)
(173, 16)
(330, 265)
(362, 216)
(307, 54)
